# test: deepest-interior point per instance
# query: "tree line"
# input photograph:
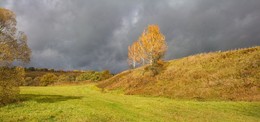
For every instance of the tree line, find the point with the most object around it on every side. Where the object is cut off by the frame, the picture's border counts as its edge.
(52, 78)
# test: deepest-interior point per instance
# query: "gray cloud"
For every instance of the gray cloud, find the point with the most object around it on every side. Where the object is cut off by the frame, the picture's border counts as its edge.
(90, 34)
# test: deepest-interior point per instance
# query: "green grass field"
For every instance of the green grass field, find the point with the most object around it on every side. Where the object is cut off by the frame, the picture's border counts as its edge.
(88, 103)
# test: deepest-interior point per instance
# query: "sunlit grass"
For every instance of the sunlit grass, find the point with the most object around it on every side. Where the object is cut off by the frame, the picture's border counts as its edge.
(88, 103)
(229, 75)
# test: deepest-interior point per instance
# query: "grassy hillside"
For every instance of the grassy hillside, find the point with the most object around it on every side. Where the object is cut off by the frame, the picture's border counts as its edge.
(230, 75)
(87, 103)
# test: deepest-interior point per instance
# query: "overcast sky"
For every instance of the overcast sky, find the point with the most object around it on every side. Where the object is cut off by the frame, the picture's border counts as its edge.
(95, 34)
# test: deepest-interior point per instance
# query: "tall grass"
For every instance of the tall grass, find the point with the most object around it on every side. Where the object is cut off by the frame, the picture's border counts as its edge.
(229, 75)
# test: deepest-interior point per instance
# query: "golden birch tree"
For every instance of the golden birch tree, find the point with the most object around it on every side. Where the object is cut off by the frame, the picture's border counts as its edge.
(153, 44)
(133, 54)
(149, 48)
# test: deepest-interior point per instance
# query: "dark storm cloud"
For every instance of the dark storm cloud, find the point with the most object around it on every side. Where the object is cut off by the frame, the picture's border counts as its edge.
(91, 34)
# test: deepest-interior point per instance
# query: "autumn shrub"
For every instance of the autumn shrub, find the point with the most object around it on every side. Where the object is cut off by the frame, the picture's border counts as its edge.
(48, 79)
(63, 78)
(154, 69)
(28, 81)
(106, 74)
(10, 78)
(85, 76)
(72, 78)
(36, 81)
(94, 76)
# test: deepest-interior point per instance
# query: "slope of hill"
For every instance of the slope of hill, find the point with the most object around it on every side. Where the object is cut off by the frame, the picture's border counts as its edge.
(230, 75)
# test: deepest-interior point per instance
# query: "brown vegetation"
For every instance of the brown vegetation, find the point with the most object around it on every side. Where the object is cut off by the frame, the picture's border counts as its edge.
(230, 75)
(10, 79)
(13, 47)
(35, 77)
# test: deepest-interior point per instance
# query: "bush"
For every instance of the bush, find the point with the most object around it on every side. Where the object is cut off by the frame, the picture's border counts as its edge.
(48, 79)
(85, 76)
(94, 76)
(66, 78)
(28, 81)
(72, 78)
(36, 81)
(10, 78)
(105, 75)
(155, 68)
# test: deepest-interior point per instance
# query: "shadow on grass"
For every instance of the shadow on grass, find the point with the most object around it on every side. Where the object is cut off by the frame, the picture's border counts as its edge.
(251, 110)
(46, 98)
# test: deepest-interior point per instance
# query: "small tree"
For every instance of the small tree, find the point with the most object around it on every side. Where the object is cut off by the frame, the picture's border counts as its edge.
(150, 47)
(134, 54)
(153, 44)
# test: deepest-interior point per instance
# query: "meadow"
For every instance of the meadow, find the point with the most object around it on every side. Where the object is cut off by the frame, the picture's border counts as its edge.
(89, 103)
